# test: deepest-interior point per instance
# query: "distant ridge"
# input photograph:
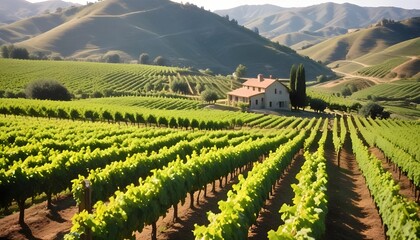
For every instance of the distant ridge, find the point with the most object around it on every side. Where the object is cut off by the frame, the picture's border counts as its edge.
(15, 10)
(183, 34)
(366, 41)
(300, 27)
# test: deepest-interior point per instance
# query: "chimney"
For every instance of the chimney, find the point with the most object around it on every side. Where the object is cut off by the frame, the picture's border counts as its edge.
(260, 77)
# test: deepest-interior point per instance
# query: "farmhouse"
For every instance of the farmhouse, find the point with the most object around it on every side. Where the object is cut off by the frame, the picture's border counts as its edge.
(261, 93)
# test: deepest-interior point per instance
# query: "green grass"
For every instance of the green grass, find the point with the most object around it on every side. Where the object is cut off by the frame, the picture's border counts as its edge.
(382, 70)
(359, 83)
(345, 66)
(406, 48)
(406, 90)
(88, 77)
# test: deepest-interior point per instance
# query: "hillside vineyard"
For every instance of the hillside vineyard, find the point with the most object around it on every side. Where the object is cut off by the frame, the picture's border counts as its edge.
(136, 181)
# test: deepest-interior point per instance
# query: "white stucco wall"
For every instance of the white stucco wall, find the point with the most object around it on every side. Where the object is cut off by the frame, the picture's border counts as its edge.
(276, 93)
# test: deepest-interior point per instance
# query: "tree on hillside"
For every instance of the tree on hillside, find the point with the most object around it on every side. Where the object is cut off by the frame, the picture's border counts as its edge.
(179, 86)
(345, 91)
(18, 53)
(209, 96)
(373, 110)
(298, 86)
(292, 86)
(321, 78)
(5, 51)
(318, 105)
(301, 86)
(199, 88)
(144, 58)
(148, 87)
(113, 58)
(159, 61)
(240, 71)
(47, 89)
(256, 30)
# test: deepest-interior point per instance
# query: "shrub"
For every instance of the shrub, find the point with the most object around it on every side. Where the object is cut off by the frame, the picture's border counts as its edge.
(179, 86)
(373, 110)
(160, 61)
(112, 58)
(47, 90)
(144, 58)
(318, 105)
(209, 96)
(19, 53)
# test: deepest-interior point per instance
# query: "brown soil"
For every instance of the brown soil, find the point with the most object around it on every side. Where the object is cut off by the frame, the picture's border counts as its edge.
(41, 223)
(351, 211)
(401, 179)
(352, 214)
(269, 218)
(187, 217)
(408, 69)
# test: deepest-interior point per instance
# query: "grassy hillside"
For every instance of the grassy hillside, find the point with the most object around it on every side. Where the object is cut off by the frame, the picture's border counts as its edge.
(304, 39)
(183, 34)
(15, 10)
(336, 86)
(321, 20)
(397, 61)
(246, 13)
(366, 41)
(406, 48)
(85, 77)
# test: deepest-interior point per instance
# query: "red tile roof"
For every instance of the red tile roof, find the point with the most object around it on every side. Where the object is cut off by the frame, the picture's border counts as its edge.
(254, 82)
(244, 92)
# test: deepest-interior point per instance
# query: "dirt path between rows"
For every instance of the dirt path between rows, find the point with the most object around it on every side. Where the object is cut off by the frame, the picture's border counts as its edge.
(41, 223)
(402, 180)
(351, 211)
(184, 226)
(352, 214)
(269, 218)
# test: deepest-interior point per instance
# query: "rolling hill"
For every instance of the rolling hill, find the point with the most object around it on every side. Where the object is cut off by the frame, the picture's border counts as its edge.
(15, 10)
(83, 78)
(300, 27)
(246, 13)
(182, 33)
(366, 41)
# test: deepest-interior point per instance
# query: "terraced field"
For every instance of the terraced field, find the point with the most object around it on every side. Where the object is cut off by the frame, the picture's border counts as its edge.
(407, 90)
(88, 77)
(384, 69)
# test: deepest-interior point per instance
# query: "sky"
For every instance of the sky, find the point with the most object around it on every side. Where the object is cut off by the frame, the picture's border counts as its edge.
(225, 4)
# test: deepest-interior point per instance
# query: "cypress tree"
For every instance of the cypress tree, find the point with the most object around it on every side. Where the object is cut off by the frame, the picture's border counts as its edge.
(293, 72)
(300, 87)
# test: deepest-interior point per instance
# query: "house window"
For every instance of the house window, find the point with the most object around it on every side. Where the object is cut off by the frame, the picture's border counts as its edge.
(281, 104)
(248, 87)
(259, 89)
(275, 91)
(280, 92)
(236, 98)
(256, 101)
(271, 104)
(253, 88)
(262, 100)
